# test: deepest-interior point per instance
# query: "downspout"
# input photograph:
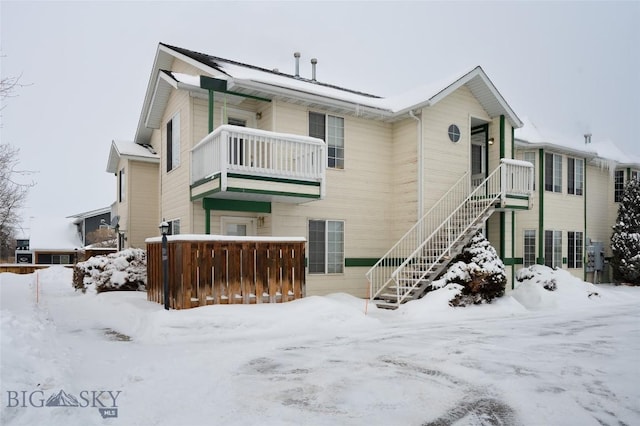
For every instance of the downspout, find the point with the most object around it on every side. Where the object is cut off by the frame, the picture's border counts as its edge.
(420, 149)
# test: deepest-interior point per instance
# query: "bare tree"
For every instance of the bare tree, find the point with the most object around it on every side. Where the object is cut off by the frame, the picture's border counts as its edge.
(13, 191)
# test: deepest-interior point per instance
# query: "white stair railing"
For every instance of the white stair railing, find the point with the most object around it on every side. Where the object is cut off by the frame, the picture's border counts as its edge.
(419, 252)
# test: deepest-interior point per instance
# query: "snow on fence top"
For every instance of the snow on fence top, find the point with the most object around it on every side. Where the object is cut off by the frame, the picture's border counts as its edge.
(207, 237)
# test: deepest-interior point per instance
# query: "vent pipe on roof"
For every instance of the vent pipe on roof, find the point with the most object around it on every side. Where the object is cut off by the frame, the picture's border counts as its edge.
(587, 138)
(297, 56)
(314, 61)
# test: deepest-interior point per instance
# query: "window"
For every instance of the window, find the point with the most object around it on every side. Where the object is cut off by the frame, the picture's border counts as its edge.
(326, 246)
(454, 133)
(618, 185)
(553, 249)
(553, 172)
(635, 174)
(574, 245)
(121, 185)
(530, 156)
(174, 227)
(238, 226)
(173, 143)
(529, 247)
(575, 175)
(331, 130)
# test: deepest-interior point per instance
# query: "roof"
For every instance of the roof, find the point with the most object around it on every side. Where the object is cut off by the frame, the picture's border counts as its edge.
(533, 136)
(252, 80)
(131, 150)
(90, 213)
(54, 234)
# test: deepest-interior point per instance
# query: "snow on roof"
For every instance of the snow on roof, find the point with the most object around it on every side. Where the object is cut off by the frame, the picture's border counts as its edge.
(129, 149)
(54, 233)
(532, 134)
(134, 150)
(91, 213)
(208, 237)
(242, 76)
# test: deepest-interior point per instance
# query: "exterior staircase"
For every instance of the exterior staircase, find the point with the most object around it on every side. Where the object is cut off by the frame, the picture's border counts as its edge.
(405, 272)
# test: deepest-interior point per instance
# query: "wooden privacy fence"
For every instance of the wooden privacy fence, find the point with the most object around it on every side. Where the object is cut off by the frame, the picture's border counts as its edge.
(207, 270)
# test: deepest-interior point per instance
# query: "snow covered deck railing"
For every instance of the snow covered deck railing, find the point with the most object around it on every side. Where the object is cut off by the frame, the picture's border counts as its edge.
(208, 270)
(243, 150)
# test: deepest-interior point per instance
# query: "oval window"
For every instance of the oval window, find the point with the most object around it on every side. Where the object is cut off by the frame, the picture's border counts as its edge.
(454, 133)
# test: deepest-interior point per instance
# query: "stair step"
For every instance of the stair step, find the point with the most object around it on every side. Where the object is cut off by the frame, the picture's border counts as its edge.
(385, 305)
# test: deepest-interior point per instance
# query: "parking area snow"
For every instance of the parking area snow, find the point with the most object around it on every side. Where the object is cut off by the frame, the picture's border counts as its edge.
(533, 357)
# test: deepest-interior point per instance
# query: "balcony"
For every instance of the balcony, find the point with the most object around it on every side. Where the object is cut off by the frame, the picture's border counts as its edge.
(241, 163)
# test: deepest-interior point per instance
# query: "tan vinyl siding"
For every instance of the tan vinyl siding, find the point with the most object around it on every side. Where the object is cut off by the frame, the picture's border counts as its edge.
(144, 196)
(447, 161)
(175, 184)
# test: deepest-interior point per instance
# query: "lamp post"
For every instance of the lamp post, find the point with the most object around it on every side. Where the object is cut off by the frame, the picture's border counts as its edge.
(164, 229)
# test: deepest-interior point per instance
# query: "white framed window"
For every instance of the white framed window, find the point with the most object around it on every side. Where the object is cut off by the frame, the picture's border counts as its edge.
(238, 226)
(174, 227)
(635, 174)
(529, 257)
(574, 248)
(326, 246)
(553, 249)
(530, 156)
(618, 185)
(173, 142)
(330, 129)
(553, 172)
(122, 185)
(575, 175)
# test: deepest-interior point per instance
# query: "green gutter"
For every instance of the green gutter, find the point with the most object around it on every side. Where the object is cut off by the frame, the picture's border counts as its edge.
(541, 208)
(210, 111)
(584, 238)
(513, 217)
(207, 220)
(502, 214)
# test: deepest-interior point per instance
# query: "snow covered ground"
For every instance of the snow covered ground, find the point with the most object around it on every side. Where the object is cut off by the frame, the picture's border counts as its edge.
(569, 357)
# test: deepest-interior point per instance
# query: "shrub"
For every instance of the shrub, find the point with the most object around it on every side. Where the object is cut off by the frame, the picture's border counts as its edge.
(125, 270)
(479, 271)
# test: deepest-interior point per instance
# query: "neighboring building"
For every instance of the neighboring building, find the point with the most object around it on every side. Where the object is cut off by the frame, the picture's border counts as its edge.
(51, 241)
(136, 210)
(90, 222)
(577, 191)
(229, 148)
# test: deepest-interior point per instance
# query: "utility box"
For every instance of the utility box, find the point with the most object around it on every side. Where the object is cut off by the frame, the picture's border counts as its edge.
(595, 257)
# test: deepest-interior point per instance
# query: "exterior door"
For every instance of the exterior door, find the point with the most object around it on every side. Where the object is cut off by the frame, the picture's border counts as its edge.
(238, 226)
(478, 158)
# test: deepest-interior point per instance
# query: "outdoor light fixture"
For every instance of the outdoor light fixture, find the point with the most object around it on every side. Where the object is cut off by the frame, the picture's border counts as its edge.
(164, 229)
(491, 141)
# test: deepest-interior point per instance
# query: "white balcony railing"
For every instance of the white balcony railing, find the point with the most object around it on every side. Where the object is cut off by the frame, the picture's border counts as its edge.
(258, 152)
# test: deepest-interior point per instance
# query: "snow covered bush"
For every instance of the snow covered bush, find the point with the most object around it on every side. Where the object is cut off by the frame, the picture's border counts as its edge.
(538, 274)
(479, 271)
(125, 270)
(625, 241)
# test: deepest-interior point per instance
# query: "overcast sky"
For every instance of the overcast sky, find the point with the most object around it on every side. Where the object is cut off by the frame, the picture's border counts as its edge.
(572, 67)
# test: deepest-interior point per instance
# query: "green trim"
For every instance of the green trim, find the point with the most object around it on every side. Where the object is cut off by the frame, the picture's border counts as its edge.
(511, 261)
(360, 261)
(207, 219)
(502, 136)
(210, 107)
(584, 236)
(565, 261)
(279, 193)
(508, 207)
(628, 174)
(257, 98)
(211, 84)
(513, 248)
(541, 207)
(513, 143)
(236, 205)
(518, 197)
(272, 179)
(503, 241)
